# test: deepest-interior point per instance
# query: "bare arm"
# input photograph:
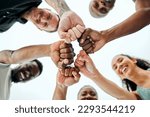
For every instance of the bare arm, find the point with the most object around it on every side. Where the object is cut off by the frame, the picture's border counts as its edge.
(24, 54)
(61, 53)
(113, 89)
(134, 23)
(59, 5)
(60, 92)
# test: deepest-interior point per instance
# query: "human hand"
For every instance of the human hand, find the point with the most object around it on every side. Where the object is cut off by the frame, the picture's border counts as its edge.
(68, 76)
(71, 26)
(85, 64)
(62, 54)
(91, 40)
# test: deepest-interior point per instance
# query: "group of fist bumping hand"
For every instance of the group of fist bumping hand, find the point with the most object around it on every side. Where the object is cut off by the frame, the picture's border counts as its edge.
(69, 74)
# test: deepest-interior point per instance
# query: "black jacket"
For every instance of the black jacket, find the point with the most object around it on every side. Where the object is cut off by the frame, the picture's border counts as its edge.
(12, 10)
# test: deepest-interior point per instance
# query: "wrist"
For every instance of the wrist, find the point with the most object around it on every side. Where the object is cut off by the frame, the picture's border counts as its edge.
(49, 52)
(61, 86)
(104, 36)
(95, 76)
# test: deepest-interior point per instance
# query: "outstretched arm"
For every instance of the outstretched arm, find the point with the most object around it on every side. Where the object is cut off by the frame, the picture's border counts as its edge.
(132, 24)
(87, 67)
(24, 54)
(61, 53)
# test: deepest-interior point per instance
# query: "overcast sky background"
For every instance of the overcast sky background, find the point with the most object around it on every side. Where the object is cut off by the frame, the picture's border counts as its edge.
(42, 88)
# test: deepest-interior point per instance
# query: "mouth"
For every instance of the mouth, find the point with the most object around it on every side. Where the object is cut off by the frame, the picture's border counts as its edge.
(123, 69)
(88, 98)
(22, 76)
(96, 13)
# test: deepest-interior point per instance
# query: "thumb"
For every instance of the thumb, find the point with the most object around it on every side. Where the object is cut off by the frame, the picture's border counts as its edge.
(62, 34)
(76, 76)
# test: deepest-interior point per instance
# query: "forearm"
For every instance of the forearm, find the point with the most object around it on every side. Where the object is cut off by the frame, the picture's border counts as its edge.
(59, 5)
(134, 23)
(60, 92)
(24, 54)
(111, 88)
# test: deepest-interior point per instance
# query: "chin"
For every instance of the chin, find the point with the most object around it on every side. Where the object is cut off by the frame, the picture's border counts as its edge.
(96, 15)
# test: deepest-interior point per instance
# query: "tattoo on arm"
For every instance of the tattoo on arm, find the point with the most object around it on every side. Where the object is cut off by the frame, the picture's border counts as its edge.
(59, 5)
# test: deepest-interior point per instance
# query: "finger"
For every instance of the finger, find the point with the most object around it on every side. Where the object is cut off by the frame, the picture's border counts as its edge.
(62, 71)
(76, 32)
(80, 28)
(70, 73)
(67, 55)
(61, 64)
(66, 37)
(70, 61)
(66, 62)
(85, 42)
(67, 72)
(76, 69)
(62, 34)
(77, 65)
(80, 62)
(76, 76)
(66, 50)
(86, 47)
(65, 45)
(85, 35)
(90, 50)
(72, 37)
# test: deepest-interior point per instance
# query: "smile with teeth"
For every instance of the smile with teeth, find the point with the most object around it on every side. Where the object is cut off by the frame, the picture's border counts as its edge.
(123, 69)
(22, 76)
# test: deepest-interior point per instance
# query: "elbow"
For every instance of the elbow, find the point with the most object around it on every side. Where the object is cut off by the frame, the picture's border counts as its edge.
(6, 57)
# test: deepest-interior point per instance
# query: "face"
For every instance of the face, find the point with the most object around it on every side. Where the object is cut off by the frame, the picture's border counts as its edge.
(100, 8)
(26, 71)
(123, 66)
(45, 19)
(87, 93)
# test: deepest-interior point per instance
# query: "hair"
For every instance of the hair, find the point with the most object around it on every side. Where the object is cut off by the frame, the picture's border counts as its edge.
(143, 64)
(87, 86)
(39, 65)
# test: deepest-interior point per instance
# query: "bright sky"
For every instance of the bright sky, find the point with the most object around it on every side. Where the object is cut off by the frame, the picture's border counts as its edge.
(42, 88)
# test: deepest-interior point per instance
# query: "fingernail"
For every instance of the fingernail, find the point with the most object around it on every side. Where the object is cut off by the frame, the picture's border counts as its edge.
(88, 37)
(82, 40)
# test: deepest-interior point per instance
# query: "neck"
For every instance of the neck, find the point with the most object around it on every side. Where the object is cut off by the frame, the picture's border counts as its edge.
(140, 76)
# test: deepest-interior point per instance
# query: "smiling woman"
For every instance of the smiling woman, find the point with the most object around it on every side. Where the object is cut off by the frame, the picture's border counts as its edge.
(125, 68)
